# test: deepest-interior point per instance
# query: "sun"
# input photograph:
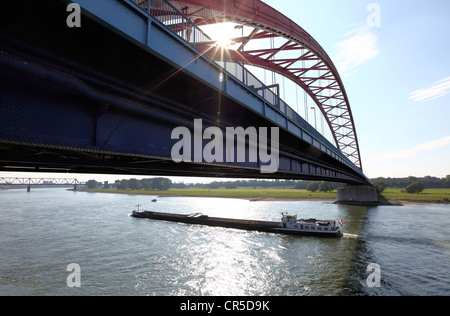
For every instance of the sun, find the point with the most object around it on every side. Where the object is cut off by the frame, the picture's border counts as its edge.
(223, 42)
(222, 33)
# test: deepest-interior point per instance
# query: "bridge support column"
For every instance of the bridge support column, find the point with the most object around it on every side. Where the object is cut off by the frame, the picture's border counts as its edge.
(75, 187)
(357, 195)
(28, 188)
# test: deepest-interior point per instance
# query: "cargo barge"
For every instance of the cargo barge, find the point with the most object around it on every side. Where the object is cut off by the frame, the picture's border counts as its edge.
(289, 223)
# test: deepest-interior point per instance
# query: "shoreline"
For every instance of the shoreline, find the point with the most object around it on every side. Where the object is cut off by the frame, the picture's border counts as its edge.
(387, 202)
(253, 199)
(248, 198)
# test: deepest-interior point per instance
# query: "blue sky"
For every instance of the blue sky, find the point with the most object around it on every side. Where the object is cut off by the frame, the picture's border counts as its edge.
(396, 74)
(397, 77)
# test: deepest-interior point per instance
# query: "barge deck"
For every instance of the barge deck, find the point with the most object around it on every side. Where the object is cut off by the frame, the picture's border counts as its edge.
(242, 224)
(201, 219)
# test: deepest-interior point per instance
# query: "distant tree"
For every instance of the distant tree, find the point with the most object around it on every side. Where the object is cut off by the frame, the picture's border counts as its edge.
(214, 185)
(313, 187)
(178, 186)
(124, 185)
(326, 187)
(416, 187)
(446, 183)
(134, 184)
(380, 185)
(230, 185)
(162, 184)
(167, 183)
(147, 184)
(91, 184)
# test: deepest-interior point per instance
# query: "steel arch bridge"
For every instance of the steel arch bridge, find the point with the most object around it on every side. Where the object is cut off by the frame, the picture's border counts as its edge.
(299, 57)
(137, 69)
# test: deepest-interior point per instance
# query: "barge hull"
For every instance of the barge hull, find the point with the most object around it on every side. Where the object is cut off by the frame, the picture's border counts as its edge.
(249, 225)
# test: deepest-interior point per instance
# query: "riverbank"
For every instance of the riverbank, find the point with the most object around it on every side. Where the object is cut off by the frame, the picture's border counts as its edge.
(239, 193)
(391, 196)
(428, 196)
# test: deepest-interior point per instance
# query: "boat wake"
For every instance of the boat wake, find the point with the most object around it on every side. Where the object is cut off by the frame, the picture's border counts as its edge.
(353, 236)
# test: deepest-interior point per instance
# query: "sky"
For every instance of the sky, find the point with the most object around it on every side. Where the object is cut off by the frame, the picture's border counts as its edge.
(393, 57)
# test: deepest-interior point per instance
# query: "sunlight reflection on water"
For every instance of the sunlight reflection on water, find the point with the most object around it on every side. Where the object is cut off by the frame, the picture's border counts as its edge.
(43, 231)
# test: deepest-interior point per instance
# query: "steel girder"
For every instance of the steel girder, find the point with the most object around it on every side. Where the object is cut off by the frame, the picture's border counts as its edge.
(38, 181)
(299, 58)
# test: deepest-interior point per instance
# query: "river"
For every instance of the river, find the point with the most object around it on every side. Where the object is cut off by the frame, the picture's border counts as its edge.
(407, 249)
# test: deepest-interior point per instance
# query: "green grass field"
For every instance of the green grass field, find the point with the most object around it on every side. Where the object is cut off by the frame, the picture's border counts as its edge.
(428, 195)
(251, 193)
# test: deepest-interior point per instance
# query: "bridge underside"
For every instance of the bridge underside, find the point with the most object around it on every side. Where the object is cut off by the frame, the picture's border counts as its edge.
(91, 100)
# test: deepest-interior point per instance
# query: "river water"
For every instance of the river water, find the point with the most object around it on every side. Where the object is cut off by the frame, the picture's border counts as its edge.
(45, 230)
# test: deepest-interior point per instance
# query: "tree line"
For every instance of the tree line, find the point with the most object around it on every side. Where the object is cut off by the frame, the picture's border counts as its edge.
(428, 182)
(410, 184)
(150, 184)
(282, 184)
(401, 183)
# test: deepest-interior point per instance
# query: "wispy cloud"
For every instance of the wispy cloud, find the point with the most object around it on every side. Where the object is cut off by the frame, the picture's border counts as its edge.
(356, 50)
(434, 91)
(402, 154)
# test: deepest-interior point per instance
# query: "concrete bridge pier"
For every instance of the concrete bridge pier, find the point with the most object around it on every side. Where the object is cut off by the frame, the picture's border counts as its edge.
(358, 195)
(29, 188)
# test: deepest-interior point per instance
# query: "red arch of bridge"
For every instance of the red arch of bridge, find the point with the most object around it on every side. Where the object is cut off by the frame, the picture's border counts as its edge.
(320, 79)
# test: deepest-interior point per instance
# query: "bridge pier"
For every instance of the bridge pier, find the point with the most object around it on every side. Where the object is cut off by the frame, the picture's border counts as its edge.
(29, 188)
(358, 195)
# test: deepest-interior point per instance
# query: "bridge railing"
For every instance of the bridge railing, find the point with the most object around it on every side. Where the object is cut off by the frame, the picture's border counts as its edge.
(174, 19)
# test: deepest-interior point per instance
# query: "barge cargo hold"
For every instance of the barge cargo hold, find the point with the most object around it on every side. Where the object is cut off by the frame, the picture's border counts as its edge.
(288, 224)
